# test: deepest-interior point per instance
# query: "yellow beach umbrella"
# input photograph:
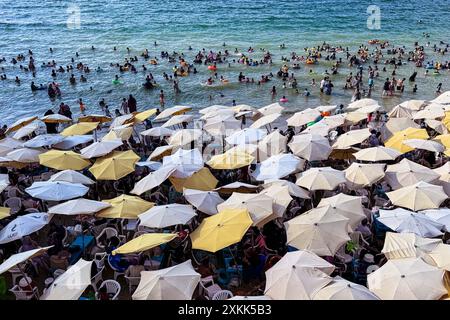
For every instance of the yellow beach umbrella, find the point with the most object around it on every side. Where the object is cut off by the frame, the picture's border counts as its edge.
(446, 120)
(201, 180)
(4, 212)
(114, 166)
(144, 115)
(444, 139)
(63, 160)
(94, 118)
(80, 128)
(20, 123)
(9, 163)
(230, 160)
(125, 207)
(221, 230)
(396, 141)
(144, 242)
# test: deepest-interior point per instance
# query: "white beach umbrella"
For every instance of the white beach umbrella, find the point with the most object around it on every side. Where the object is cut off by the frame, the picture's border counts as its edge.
(443, 98)
(437, 126)
(100, 148)
(56, 190)
(44, 140)
(23, 226)
(272, 144)
(362, 175)
(218, 125)
(361, 103)
(71, 176)
(72, 283)
(151, 165)
(375, 154)
(278, 166)
(352, 137)
(18, 258)
(311, 147)
(152, 180)
(9, 144)
(419, 196)
(440, 256)
(320, 128)
(429, 113)
(73, 141)
(407, 279)
(294, 190)
(25, 131)
(444, 177)
(172, 111)
(348, 206)
(324, 178)
(341, 289)
(160, 152)
(173, 283)
(79, 206)
(281, 198)
(402, 220)
(429, 145)
(299, 275)
(120, 120)
(303, 117)
(441, 215)
(175, 120)
(264, 121)
(185, 136)
(407, 172)
(25, 155)
(245, 136)
(167, 215)
(407, 245)
(157, 132)
(4, 181)
(186, 162)
(271, 109)
(204, 201)
(320, 230)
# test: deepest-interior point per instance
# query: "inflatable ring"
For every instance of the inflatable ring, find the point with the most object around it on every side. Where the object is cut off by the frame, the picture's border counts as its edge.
(309, 61)
(212, 68)
(284, 100)
(153, 61)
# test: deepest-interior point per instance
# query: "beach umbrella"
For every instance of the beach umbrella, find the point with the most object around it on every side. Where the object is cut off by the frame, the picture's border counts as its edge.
(441, 216)
(375, 154)
(272, 144)
(221, 230)
(218, 114)
(298, 275)
(311, 147)
(407, 279)
(144, 242)
(201, 180)
(278, 166)
(218, 126)
(73, 141)
(319, 230)
(370, 109)
(79, 128)
(173, 121)
(251, 149)
(429, 113)
(271, 109)
(443, 98)
(124, 207)
(343, 154)
(100, 118)
(394, 125)
(303, 117)
(152, 180)
(160, 152)
(319, 128)
(157, 132)
(245, 136)
(25, 155)
(44, 140)
(151, 165)
(334, 121)
(63, 160)
(294, 190)
(440, 256)
(237, 187)
(258, 205)
(355, 117)
(204, 201)
(9, 144)
(351, 138)
(402, 220)
(446, 120)
(79, 206)
(56, 190)
(20, 123)
(407, 172)
(443, 139)
(173, 283)
(414, 105)
(281, 199)
(264, 121)
(424, 145)
(167, 215)
(407, 245)
(122, 133)
(55, 118)
(396, 141)
(362, 175)
(121, 120)
(9, 163)
(324, 178)
(5, 212)
(71, 176)
(437, 126)
(72, 283)
(100, 148)
(216, 107)
(348, 206)
(25, 131)
(23, 226)
(326, 108)
(361, 103)
(144, 115)
(176, 110)
(114, 166)
(230, 160)
(341, 289)
(18, 258)
(185, 136)
(185, 162)
(419, 196)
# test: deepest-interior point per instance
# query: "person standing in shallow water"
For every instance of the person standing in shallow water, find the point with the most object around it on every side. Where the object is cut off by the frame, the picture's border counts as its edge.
(132, 104)
(161, 98)
(124, 105)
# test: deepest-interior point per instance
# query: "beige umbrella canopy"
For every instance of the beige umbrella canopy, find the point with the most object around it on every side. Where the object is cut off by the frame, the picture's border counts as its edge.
(440, 256)
(218, 125)
(100, 148)
(394, 125)
(175, 120)
(237, 187)
(264, 121)
(71, 176)
(311, 147)
(303, 117)
(271, 108)
(185, 136)
(362, 175)
(272, 144)
(281, 198)
(361, 103)
(18, 258)
(157, 132)
(437, 126)
(348, 206)
(419, 196)
(407, 279)
(176, 110)
(429, 113)
(79, 206)
(153, 179)
(320, 128)
(444, 177)
(320, 230)
(294, 190)
(299, 275)
(429, 145)
(258, 205)
(324, 178)
(25, 131)
(251, 149)
(407, 245)
(9, 144)
(351, 138)
(407, 172)
(25, 155)
(341, 289)
(443, 98)
(375, 154)
(160, 152)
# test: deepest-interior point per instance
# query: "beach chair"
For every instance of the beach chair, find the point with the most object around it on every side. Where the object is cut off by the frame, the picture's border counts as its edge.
(97, 278)
(24, 294)
(14, 204)
(222, 295)
(208, 288)
(109, 232)
(112, 288)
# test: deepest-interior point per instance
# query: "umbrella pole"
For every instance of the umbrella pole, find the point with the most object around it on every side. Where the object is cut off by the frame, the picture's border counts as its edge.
(28, 282)
(95, 135)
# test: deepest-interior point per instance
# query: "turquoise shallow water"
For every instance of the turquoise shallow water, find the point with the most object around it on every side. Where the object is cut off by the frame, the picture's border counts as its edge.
(175, 25)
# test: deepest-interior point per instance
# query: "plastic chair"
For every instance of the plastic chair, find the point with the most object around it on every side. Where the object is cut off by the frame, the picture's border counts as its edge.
(109, 232)
(222, 295)
(24, 294)
(58, 272)
(15, 274)
(99, 259)
(14, 192)
(208, 287)
(97, 278)
(112, 288)
(14, 204)
(117, 273)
